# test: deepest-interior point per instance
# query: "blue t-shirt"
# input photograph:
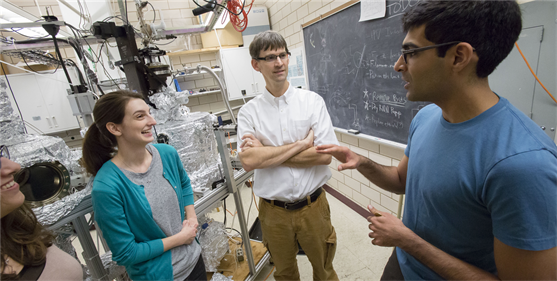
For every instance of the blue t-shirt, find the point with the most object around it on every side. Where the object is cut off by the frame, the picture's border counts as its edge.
(492, 176)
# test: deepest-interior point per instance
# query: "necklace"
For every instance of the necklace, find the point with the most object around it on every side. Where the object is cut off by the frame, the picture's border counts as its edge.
(128, 167)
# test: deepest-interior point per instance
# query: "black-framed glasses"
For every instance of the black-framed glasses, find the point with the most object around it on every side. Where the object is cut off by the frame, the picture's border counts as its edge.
(272, 58)
(416, 50)
(4, 152)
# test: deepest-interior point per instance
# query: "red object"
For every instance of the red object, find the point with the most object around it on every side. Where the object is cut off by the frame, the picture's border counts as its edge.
(238, 14)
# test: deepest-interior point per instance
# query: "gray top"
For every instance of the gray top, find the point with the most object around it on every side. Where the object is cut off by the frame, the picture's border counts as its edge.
(166, 212)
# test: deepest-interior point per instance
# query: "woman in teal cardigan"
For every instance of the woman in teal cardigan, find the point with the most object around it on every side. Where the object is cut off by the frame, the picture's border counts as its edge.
(142, 196)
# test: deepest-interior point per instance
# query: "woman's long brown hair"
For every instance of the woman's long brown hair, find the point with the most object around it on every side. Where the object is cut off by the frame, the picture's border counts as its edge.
(24, 239)
(99, 144)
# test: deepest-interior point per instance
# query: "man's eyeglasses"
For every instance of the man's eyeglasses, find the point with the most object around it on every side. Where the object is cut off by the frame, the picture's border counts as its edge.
(411, 52)
(4, 152)
(272, 58)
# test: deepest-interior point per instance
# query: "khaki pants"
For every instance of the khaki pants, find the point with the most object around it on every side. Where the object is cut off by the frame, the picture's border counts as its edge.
(311, 227)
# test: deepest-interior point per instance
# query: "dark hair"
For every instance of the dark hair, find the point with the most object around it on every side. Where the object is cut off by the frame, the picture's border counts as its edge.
(24, 239)
(490, 26)
(266, 40)
(99, 144)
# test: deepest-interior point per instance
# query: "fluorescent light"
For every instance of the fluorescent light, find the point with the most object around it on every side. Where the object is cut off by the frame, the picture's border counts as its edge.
(10, 16)
(9, 13)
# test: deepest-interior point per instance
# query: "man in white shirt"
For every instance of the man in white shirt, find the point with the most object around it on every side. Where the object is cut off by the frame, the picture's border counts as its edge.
(280, 130)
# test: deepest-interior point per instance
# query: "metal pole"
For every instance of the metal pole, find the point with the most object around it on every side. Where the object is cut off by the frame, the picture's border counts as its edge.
(123, 11)
(245, 232)
(233, 188)
(90, 253)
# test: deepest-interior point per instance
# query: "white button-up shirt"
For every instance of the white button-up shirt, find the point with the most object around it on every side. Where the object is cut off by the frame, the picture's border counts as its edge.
(281, 121)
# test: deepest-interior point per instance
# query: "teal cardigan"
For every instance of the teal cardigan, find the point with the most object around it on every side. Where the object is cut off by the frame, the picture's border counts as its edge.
(124, 216)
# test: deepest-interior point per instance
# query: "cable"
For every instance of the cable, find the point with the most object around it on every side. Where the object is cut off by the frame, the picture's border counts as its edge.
(74, 30)
(269, 274)
(16, 31)
(34, 127)
(165, 43)
(16, 104)
(239, 23)
(250, 204)
(235, 230)
(30, 68)
(224, 202)
(154, 12)
(525, 60)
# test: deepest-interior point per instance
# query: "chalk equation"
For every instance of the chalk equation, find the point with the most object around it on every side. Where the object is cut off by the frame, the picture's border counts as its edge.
(351, 65)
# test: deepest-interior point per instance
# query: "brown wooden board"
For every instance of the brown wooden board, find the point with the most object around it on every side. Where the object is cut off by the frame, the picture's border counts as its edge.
(239, 271)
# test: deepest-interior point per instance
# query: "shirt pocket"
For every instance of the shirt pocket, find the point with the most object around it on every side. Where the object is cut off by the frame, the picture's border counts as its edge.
(300, 129)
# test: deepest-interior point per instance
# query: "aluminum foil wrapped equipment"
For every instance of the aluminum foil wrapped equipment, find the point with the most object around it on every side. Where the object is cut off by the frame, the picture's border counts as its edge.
(192, 135)
(28, 150)
(171, 105)
(214, 242)
(10, 123)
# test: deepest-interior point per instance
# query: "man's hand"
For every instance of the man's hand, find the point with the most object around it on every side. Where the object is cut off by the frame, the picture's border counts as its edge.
(249, 141)
(387, 230)
(343, 154)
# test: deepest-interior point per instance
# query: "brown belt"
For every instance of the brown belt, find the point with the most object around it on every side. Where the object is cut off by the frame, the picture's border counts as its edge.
(299, 204)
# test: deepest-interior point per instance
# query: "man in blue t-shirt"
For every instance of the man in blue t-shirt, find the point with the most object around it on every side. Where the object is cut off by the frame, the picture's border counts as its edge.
(480, 177)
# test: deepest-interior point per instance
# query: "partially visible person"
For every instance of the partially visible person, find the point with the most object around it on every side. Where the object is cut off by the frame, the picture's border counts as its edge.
(26, 246)
(480, 177)
(142, 196)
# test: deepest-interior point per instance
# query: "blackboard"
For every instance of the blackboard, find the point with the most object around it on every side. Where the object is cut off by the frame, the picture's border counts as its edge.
(350, 64)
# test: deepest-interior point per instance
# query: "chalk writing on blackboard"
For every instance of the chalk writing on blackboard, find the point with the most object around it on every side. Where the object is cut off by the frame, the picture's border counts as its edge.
(351, 65)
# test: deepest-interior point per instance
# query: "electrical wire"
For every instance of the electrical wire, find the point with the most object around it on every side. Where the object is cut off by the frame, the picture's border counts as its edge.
(220, 5)
(16, 31)
(525, 60)
(234, 8)
(269, 274)
(34, 127)
(30, 68)
(250, 204)
(154, 12)
(159, 44)
(76, 31)
(239, 20)
(11, 90)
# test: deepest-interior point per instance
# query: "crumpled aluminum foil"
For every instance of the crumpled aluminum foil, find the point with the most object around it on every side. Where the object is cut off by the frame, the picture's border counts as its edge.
(63, 241)
(171, 105)
(28, 150)
(75, 157)
(214, 242)
(51, 213)
(10, 123)
(196, 144)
